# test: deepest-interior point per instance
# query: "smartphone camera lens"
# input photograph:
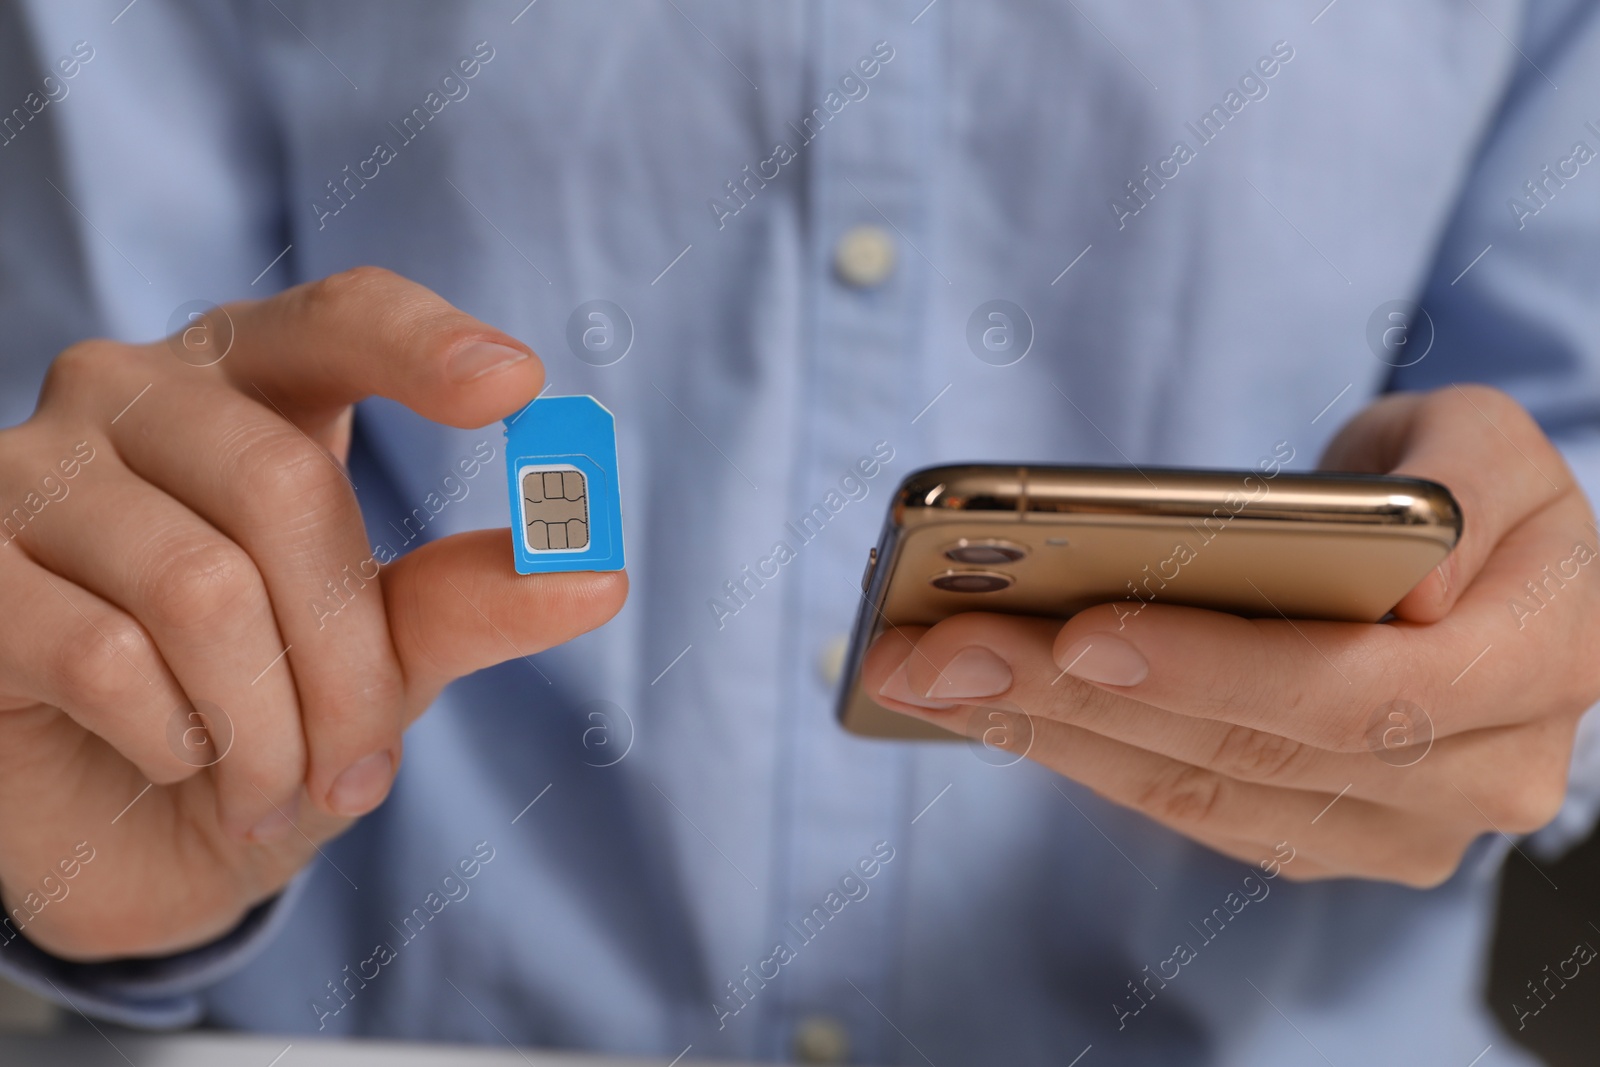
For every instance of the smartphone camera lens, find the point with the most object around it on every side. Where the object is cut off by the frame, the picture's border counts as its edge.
(970, 581)
(984, 553)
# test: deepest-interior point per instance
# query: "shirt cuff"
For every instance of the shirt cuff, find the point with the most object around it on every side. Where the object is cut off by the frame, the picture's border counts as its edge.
(161, 993)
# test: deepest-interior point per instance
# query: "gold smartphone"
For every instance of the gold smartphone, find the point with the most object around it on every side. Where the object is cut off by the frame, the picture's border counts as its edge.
(1053, 540)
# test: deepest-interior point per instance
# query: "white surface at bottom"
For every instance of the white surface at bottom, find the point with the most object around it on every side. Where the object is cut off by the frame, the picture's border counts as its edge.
(194, 1050)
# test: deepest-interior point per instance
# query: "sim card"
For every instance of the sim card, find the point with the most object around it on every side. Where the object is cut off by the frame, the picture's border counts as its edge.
(566, 505)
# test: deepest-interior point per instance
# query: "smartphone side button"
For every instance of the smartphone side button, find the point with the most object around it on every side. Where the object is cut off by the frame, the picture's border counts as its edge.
(872, 565)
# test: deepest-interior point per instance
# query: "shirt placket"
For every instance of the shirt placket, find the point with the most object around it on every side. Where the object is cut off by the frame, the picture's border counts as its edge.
(867, 144)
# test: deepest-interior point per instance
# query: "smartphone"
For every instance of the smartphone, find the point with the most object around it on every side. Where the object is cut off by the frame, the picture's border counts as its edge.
(1052, 540)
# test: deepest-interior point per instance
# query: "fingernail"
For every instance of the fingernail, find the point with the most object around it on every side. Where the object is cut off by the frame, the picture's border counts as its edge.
(362, 785)
(482, 357)
(973, 672)
(1105, 659)
(276, 824)
(898, 687)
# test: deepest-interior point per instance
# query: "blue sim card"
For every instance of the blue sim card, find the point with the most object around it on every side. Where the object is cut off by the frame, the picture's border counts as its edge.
(566, 506)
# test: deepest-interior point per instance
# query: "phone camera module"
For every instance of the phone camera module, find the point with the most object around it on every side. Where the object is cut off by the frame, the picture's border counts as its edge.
(970, 581)
(984, 553)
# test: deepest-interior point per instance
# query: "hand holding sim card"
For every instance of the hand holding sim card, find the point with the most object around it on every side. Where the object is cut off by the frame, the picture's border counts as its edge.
(566, 504)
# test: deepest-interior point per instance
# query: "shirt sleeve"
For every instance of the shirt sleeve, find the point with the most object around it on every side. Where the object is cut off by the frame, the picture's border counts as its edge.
(1513, 300)
(141, 181)
(152, 994)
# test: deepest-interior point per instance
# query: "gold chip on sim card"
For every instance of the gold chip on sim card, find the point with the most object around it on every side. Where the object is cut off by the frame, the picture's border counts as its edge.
(555, 508)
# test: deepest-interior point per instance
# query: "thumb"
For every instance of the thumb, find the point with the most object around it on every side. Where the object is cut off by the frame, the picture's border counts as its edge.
(457, 605)
(1477, 442)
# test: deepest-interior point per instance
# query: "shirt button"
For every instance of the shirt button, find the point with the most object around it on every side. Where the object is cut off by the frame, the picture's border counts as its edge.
(819, 1039)
(864, 256)
(830, 661)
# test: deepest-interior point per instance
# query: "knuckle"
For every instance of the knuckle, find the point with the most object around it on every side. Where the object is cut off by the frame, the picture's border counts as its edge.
(193, 583)
(1384, 715)
(1354, 732)
(1351, 740)
(80, 368)
(336, 292)
(1529, 804)
(99, 661)
(1187, 795)
(1252, 688)
(1577, 684)
(382, 690)
(388, 694)
(279, 474)
(1429, 869)
(1085, 705)
(1257, 756)
(1238, 691)
(405, 315)
(423, 647)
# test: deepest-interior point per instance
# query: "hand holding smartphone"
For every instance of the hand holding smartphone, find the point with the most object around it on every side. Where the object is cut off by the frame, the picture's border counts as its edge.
(1052, 540)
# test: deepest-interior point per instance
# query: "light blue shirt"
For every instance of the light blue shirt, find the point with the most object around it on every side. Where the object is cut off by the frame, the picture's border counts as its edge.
(700, 165)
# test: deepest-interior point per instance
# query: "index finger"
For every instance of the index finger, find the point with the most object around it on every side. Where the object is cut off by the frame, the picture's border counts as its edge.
(1326, 683)
(319, 347)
